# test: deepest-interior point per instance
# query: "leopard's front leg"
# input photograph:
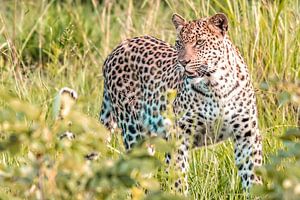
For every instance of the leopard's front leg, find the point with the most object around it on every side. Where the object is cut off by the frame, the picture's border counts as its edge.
(182, 158)
(248, 154)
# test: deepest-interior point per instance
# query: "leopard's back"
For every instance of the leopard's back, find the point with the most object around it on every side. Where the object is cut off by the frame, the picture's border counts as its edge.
(137, 75)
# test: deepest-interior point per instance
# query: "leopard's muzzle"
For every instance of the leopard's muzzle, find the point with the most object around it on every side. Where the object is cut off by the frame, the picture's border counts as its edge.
(195, 70)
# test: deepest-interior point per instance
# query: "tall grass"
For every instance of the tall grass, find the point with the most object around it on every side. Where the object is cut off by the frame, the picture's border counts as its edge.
(48, 44)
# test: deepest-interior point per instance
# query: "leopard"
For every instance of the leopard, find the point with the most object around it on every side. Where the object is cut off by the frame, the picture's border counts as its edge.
(215, 98)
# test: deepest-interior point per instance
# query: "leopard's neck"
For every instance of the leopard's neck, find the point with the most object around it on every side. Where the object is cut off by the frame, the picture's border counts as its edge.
(228, 75)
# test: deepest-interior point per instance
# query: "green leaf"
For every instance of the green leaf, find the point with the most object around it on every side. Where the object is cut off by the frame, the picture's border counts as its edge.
(284, 98)
(291, 134)
(264, 86)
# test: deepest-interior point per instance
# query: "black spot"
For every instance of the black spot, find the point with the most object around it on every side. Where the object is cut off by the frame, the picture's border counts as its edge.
(245, 119)
(250, 166)
(241, 167)
(130, 138)
(234, 116)
(155, 127)
(119, 82)
(104, 106)
(259, 161)
(236, 125)
(160, 123)
(143, 61)
(150, 61)
(189, 120)
(248, 134)
(133, 58)
(162, 107)
(199, 123)
(121, 116)
(176, 184)
(180, 152)
(188, 131)
(126, 145)
(181, 125)
(114, 61)
(146, 70)
(131, 129)
(120, 60)
(158, 63)
(200, 115)
(139, 128)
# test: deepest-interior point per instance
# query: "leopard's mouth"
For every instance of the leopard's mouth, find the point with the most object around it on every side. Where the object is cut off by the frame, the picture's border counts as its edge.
(191, 74)
(195, 72)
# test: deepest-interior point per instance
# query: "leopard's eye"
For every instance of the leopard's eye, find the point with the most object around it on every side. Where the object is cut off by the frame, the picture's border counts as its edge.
(199, 43)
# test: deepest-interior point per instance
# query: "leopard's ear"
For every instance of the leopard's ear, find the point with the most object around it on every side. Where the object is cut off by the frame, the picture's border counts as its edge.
(219, 22)
(178, 21)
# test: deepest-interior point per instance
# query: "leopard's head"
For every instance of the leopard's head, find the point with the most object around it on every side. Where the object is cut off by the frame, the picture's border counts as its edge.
(200, 43)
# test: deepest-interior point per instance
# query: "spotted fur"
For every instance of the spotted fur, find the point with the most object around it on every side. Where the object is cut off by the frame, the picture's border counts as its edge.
(215, 98)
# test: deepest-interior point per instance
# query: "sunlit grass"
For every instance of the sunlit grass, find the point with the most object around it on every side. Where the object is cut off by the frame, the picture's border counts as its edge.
(46, 45)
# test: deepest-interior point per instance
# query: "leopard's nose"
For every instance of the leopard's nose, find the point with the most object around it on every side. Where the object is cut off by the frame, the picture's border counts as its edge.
(184, 62)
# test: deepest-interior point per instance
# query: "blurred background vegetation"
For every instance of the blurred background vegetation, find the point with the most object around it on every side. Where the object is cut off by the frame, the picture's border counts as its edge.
(48, 44)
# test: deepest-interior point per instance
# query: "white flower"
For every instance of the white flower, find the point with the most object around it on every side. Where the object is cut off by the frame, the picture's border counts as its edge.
(64, 101)
(287, 183)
